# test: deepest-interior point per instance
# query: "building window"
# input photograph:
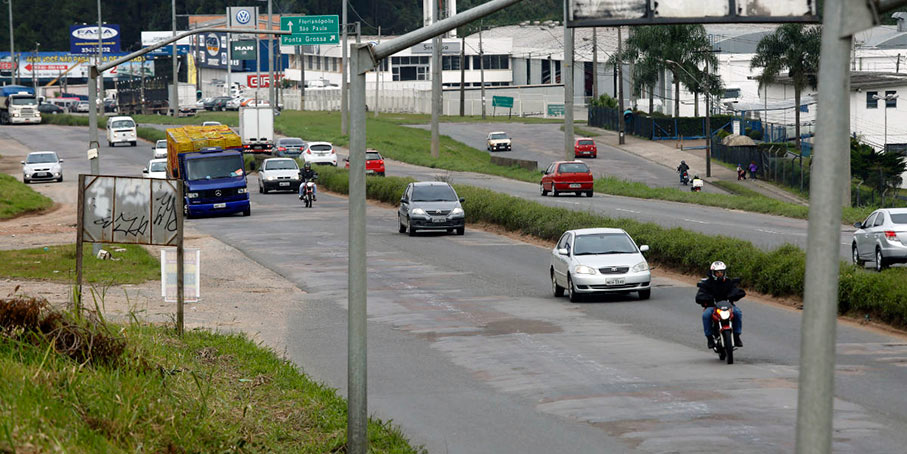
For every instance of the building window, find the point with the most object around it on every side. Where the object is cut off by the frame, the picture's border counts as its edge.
(546, 71)
(450, 63)
(410, 68)
(310, 65)
(557, 71)
(871, 102)
(891, 103)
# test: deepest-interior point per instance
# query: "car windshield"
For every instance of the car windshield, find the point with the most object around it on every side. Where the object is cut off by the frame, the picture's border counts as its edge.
(434, 193)
(321, 147)
(158, 166)
(282, 164)
(291, 142)
(123, 124)
(41, 158)
(160, 144)
(372, 156)
(217, 167)
(18, 101)
(498, 136)
(573, 167)
(603, 243)
(899, 218)
(586, 142)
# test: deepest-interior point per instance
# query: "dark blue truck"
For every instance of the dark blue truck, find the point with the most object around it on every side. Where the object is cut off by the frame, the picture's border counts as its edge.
(215, 182)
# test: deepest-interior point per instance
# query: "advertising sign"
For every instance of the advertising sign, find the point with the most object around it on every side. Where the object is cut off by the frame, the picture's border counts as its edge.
(447, 47)
(55, 64)
(152, 38)
(243, 16)
(191, 274)
(307, 30)
(252, 81)
(83, 39)
(212, 53)
(243, 50)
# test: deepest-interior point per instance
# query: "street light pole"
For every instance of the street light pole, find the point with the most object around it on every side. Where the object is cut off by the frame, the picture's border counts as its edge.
(343, 84)
(100, 52)
(436, 96)
(12, 52)
(34, 71)
(174, 97)
(271, 82)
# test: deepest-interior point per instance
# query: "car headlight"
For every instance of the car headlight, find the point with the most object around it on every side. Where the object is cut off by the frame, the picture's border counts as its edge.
(192, 195)
(456, 212)
(583, 269)
(270, 178)
(242, 191)
(419, 212)
(641, 266)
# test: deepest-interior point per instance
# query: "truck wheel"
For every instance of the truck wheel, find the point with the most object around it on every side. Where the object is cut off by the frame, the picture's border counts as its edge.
(132, 143)
(247, 211)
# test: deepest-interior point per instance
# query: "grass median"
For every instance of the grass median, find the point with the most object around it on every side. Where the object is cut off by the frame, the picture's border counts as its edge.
(130, 264)
(79, 384)
(17, 199)
(779, 272)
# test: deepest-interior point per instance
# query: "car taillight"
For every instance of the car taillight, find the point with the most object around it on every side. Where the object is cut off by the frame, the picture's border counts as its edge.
(309, 151)
(332, 151)
(891, 235)
(281, 148)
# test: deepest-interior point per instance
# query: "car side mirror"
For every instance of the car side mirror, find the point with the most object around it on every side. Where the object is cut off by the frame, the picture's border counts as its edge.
(145, 170)
(23, 162)
(644, 248)
(563, 251)
(61, 161)
(462, 199)
(858, 224)
(404, 200)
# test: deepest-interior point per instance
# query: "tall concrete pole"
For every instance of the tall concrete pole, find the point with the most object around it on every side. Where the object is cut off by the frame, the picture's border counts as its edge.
(300, 57)
(435, 85)
(346, 70)
(567, 78)
(174, 97)
(462, 75)
(100, 54)
(93, 119)
(34, 80)
(482, 68)
(272, 83)
(12, 48)
(816, 390)
(621, 124)
(228, 84)
(708, 125)
(377, 78)
(595, 60)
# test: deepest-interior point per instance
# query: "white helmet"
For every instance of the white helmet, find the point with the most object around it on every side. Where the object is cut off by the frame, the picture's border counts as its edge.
(717, 265)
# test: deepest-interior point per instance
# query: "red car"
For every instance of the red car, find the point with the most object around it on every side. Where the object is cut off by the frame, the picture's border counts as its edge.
(585, 147)
(567, 176)
(374, 163)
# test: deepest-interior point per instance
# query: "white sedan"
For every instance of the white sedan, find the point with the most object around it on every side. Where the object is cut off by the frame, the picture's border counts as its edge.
(320, 153)
(587, 261)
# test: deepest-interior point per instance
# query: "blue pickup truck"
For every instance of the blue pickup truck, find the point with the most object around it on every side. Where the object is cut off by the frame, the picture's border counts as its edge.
(215, 182)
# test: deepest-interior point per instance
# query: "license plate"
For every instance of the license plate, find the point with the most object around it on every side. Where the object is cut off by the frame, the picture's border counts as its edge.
(576, 185)
(437, 219)
(220, 205)
(616, 281)
(284, 183)
(41, 174)
(369, 172)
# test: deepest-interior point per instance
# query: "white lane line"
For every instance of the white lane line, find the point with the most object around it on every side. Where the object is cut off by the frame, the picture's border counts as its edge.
(768, 231)
(695, 220)
(628, 211)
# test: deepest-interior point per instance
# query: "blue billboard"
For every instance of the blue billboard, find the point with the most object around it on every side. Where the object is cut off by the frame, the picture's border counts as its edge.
(83, 39)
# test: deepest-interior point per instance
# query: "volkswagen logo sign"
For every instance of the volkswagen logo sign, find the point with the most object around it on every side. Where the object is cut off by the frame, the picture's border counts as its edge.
(243, 17)
(217, 193)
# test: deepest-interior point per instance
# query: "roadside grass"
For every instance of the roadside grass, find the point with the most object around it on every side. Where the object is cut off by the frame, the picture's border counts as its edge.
(58, 263)
(142, 388)
(779, 272)
(229, 118)
(16, 198)
(579, 131)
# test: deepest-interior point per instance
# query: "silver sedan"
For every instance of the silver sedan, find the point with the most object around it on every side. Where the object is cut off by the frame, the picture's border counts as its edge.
(881, 238)
(587, 261)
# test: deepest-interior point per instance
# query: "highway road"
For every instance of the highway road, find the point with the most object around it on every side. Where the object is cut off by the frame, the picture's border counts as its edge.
(470, 353)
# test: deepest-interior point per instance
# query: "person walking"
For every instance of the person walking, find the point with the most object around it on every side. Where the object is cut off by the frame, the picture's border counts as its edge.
(741, 174)
(753, 169)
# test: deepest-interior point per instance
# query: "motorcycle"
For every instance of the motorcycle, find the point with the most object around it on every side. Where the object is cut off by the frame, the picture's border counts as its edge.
(307, 194)
(723, 330)
(697, 186)
(684, 178)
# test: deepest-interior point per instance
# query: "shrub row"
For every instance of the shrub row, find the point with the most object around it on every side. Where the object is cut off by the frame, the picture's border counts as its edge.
(779, 272)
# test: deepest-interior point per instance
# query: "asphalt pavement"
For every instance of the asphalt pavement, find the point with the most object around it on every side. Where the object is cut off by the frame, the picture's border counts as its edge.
(470, 353)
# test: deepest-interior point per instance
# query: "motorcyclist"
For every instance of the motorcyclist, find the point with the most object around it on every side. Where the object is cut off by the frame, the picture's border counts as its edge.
(718, 287)
(682, 168)
(696, 184)
(307, 174)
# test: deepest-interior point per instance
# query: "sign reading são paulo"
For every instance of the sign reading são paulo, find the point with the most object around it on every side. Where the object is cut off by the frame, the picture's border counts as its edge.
(310, 30)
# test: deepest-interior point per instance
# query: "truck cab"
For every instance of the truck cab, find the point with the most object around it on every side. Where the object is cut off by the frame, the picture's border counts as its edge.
(214, 182)
(18, 105)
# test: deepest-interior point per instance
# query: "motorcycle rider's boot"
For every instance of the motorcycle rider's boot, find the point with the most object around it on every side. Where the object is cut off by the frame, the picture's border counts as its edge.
(737, 342)
(711, 341)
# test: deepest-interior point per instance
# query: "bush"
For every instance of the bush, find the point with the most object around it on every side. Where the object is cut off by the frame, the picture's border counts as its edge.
(721, 134)
(779, 272)
(754, 134)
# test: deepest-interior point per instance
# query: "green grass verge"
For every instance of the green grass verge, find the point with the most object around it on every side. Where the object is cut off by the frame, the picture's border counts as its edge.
(579, 131)
(58, 263)
(779, 272)
(16, 198)
(202, 392)
(230, 118)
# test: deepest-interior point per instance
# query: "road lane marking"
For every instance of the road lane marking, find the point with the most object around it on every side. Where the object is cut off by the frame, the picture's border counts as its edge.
(628, 211)
(695, 220)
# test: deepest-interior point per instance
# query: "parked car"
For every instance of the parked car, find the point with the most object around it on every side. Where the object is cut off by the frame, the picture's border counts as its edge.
(234, 104)
(585, 147)
(219, 103)
(160, 149)
(211, 123)
(187, 110)
(289, 146)
(498, 141)
(374, 163)
(881, 238)
(42, 166)
(82, 106)
(110, 105)
(431, 205)
(157, 168)
(320, 153)
(202, 103)
(48, 108)
(278, 174)
(599, 260)
(567, 176)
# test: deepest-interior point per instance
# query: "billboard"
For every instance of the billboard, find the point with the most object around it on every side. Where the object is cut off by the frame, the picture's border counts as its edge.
(243, 16)
(589, 13)
(243, 50)
(83, 39)
(49, 65)
(152, 38)
(212, 52)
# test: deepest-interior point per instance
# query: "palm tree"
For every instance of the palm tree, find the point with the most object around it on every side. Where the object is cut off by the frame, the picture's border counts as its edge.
(794, 47)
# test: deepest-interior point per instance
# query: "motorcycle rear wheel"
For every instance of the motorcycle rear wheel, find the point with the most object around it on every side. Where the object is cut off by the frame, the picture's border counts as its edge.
(728, 345)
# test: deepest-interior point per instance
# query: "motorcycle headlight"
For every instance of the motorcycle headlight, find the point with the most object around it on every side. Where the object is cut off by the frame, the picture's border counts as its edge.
(242, 191)
(639, 267)
(583, 269)
(456, 212)
(192, 195)
(419, 212)
(724, 314)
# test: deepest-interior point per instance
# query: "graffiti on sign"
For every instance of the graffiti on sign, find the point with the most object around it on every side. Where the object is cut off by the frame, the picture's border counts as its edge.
(130, 210)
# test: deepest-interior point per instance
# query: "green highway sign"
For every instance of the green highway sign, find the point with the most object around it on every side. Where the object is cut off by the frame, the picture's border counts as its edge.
(310, 30)
(502, 101)
(556, 110)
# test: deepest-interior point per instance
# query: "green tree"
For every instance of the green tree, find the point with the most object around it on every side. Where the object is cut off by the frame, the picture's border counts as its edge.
(794, 47)
(879, 170)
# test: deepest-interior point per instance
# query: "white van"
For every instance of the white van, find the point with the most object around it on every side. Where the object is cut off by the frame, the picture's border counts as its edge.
(121, 130)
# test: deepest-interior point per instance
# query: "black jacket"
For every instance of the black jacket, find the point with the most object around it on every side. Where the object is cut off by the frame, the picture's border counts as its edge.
(711, 290)
(683, 168)
(307, 174)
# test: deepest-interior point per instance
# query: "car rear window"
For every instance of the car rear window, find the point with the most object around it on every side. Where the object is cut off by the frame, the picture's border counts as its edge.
(291, 142)
(899, 218)
(586, 142)
(372, 156)
(573, 167)
(321, 147)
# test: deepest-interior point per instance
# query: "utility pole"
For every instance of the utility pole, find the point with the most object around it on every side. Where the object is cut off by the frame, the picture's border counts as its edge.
(377, 78)
(34, 79)
(462, 75)
(343, 84)
(100, 52)
(12, 48)
(567, 78)
(272, 84)
(436, 96)
(300, 57)
(595, 60)
(482, 66)
(708, 123)
(228, 84)
(174, 97)
(621, 123)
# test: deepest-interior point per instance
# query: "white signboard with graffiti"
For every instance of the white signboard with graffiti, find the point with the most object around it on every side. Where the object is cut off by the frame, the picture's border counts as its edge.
(130, 210)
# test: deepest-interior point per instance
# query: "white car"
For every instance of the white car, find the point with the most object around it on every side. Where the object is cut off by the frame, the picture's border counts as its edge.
(320, 153)
(881, 238)
(498, 141)
(200, 104)
(157, 168)
(278, 174)
(160, 149)
(211, 123)
(82, 106)
(121, 130)
(234, 103)
(42, 166)
(587, 261)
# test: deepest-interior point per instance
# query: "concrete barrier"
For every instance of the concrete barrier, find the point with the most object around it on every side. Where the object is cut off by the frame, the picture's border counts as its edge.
(510, 162)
